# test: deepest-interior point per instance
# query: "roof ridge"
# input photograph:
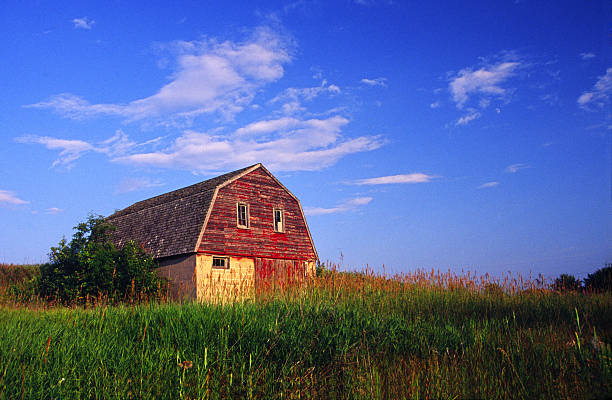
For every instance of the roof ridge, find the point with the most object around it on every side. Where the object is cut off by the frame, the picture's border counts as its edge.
(139, 206)
(159, 204)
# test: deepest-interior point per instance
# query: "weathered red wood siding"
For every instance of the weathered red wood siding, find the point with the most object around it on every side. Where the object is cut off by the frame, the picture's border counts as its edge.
(271, 273)
(262, 194)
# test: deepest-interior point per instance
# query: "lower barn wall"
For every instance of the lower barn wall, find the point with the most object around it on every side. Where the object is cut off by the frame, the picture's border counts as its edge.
(311, 269)
(180, 271)
(192, 277)
(216, 284)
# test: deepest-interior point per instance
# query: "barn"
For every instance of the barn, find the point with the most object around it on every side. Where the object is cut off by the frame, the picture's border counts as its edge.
(229, 236)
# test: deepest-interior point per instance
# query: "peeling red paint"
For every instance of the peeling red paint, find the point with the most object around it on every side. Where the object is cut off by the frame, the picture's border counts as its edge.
(263, 194)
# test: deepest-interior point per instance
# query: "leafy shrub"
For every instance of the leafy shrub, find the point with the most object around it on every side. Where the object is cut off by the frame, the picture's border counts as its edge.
(600, 280)
(91, 266)
(566, 282)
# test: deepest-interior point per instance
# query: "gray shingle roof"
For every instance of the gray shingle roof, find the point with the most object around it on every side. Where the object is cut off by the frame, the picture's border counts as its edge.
(168, 224)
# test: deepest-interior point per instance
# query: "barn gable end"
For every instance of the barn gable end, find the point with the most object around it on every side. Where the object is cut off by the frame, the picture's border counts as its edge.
(262, 193)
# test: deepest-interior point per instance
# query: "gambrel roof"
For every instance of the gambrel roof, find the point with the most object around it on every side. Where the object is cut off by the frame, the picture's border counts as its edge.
(171, 223)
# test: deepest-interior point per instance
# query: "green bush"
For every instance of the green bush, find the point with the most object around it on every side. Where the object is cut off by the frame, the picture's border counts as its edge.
(92, 266)
(600, 280)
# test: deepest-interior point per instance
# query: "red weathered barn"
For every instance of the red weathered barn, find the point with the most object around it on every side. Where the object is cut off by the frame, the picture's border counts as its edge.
(223, 237)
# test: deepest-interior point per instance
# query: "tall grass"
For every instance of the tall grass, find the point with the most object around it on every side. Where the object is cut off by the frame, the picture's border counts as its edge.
(341, 335)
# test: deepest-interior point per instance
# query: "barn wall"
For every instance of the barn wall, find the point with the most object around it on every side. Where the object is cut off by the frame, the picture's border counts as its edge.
(262, 193)
(277, 273)
(311, 269)
(214, 284)
(180, 271)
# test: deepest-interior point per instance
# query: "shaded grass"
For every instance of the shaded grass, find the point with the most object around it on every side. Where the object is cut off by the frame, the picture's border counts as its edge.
(340, 336)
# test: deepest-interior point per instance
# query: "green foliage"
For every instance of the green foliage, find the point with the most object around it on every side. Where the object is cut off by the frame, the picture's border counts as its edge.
(600, 280)
(566, 282)
(91, 266)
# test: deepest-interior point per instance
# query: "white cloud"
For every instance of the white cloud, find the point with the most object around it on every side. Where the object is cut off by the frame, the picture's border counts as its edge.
(485, 81)
(599, 96)
(285, 144)
(466, 119)
(53, 210)
(435, 104)
(291, 98)
(488, 185)
(75, 107)
(83, 23)
(350, 205)
(511, 169)
(134, 184)
(210, 76)
(8, 197)
(268, 126)
(550, 98)
(333, 89)
(71, 150)
(391, 179)
(587, 56)
(375, 82)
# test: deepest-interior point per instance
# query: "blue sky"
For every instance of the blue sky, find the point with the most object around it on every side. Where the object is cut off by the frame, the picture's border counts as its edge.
(464, 136)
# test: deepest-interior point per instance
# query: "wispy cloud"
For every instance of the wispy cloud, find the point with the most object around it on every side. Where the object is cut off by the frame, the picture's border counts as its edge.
(488, 185)
(71, 150)
(292, 98)
(466, 119)
(285, 144)
(587, 56)
(134, 184)
(350, 205)
(514, 168)
(210, 76)
(599, 96)
(485, 81)
(53, 210)
(8, 197)
(375, 82)
(83, 23)
(395, 179)
(435, 104)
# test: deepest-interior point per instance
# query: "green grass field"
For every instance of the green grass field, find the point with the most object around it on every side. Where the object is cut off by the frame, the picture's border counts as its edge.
(343, 335)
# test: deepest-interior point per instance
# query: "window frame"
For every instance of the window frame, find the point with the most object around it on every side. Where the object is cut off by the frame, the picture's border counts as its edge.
(282, 221)
(226, 262)
(248, 216)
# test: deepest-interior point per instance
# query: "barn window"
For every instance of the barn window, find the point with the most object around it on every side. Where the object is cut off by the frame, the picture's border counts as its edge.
(279, 220)
(243, 215)
(220, 262)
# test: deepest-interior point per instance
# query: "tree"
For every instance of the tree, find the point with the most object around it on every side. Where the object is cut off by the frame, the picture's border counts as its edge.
(91, 265)
(566, 282)
(600, 280)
